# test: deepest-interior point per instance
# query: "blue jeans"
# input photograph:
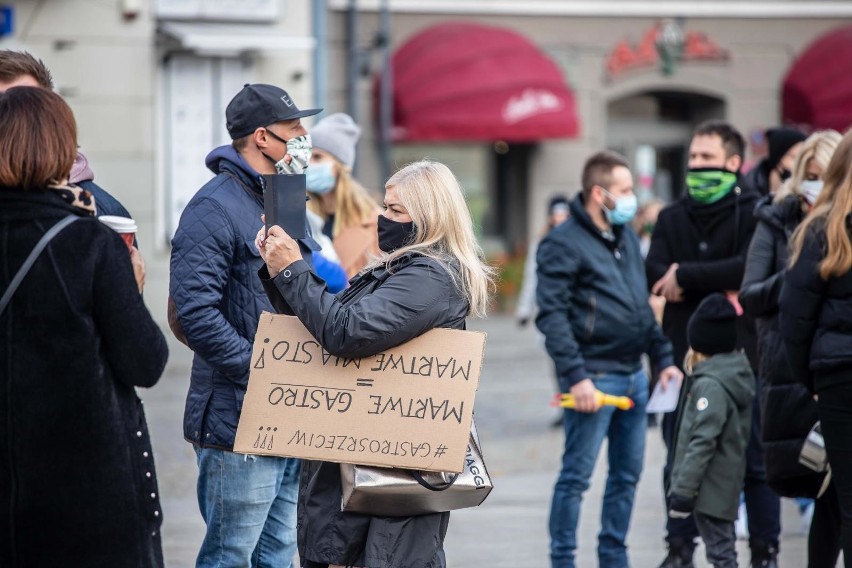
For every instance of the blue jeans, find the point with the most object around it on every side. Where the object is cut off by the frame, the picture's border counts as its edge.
(249, 506)
(584, 435)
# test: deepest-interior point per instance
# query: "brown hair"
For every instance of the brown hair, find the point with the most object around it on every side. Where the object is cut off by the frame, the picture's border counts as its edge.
(732, 141)
(831, 209)
(598, 170)
(242, 143)
(14, 64)
(38, 139)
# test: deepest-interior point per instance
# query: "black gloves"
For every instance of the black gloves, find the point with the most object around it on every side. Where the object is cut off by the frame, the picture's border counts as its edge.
(680, 507)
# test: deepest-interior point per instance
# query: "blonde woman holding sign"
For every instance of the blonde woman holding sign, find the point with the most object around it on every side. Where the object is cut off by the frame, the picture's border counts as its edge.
(430, 274)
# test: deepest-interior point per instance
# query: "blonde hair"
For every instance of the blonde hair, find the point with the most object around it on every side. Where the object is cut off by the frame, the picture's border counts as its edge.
(692, 359)
(444, 229)
(353, 203)
(819, 147)
(831, 210)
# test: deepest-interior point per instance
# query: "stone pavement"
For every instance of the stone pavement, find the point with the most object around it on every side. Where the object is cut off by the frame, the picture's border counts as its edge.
(522, 452)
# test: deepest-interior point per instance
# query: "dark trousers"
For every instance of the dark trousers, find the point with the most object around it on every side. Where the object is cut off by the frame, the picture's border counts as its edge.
(824, 537)
(719, 539)
(835, 414)
(762, 504)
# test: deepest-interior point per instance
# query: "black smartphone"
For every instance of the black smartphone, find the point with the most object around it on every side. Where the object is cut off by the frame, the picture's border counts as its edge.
(284, 203)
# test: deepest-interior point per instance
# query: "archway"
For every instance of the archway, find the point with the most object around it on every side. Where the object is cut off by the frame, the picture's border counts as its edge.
(653, 129)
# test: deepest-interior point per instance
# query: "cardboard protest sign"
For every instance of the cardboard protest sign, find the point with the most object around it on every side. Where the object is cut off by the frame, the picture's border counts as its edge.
(410, 406)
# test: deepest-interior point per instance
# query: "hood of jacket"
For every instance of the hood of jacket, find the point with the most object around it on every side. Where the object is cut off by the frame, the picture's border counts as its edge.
(733, 373)
(80, 170)
(578, 211)
(784, 215)
(757, 178)
(225, 159)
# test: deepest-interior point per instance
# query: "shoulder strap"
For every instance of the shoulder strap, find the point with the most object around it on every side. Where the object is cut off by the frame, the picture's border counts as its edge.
(28, 263)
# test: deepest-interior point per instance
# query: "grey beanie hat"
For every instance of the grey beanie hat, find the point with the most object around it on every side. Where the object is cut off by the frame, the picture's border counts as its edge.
(337, 134)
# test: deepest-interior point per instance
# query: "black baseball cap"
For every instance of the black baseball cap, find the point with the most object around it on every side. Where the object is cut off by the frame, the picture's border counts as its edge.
(261, 105)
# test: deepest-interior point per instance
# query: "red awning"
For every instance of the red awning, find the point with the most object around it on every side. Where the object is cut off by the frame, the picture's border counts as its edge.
(818, 87)
(463, 81)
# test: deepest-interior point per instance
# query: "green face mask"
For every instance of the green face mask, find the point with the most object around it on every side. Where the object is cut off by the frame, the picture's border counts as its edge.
(709, 185)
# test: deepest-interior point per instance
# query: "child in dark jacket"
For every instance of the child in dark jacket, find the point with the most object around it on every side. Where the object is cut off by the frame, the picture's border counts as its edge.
(713, 429)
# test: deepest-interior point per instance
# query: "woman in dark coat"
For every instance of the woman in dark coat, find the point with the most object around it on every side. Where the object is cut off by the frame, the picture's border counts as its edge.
(430, 275)
(815, 314)
(788, 410)
(77, 481)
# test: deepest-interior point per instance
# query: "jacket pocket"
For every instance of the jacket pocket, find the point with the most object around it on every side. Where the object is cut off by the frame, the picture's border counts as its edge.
(590, 317)
(252, 249)
(253, 263)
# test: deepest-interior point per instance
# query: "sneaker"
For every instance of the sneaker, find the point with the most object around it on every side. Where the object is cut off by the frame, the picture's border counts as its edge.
(763, 555)
(678, 557)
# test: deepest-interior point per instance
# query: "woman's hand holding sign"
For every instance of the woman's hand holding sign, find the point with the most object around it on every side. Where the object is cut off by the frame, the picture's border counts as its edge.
(276, 249)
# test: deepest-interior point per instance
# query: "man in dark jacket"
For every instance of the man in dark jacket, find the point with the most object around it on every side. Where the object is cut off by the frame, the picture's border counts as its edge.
(248, 502)
(699, 247)
(21, 69)
(597, 323)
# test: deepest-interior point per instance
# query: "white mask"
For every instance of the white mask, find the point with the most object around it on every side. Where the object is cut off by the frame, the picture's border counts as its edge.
(299, 149)
(811, 190)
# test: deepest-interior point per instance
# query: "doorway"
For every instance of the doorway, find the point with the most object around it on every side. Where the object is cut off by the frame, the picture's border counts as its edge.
(653, 129)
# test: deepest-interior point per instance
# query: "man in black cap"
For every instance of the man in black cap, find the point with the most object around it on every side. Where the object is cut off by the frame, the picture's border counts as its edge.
(766, 177)
(215, 301)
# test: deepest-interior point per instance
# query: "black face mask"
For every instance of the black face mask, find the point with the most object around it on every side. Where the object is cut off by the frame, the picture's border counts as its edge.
(394, 235)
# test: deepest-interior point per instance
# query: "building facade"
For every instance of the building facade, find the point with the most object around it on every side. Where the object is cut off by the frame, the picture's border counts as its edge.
(637, 89)
(148, 81)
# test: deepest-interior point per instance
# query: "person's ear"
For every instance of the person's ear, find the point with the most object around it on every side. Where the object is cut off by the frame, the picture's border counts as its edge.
(734, 163)
(260, 138)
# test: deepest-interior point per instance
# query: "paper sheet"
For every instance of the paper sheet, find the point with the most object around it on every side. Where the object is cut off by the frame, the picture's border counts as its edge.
(663, 400)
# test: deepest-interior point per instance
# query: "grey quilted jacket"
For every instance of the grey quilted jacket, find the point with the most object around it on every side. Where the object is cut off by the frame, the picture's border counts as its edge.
(217, 295)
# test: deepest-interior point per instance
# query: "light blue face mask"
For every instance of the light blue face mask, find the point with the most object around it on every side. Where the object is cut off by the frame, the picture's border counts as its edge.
(811, 190)
(624, 210)
(320, 178)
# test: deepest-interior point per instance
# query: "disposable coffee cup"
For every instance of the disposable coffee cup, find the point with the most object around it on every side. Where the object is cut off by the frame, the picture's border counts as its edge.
(124, 226)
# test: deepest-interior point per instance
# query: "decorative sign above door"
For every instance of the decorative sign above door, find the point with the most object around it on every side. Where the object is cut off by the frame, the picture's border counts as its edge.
(664, 46)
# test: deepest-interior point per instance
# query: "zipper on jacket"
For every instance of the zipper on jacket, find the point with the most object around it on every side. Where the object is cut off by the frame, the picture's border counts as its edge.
(590, 317)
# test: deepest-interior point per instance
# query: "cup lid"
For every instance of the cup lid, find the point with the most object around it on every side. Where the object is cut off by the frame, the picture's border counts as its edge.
(118, 224)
